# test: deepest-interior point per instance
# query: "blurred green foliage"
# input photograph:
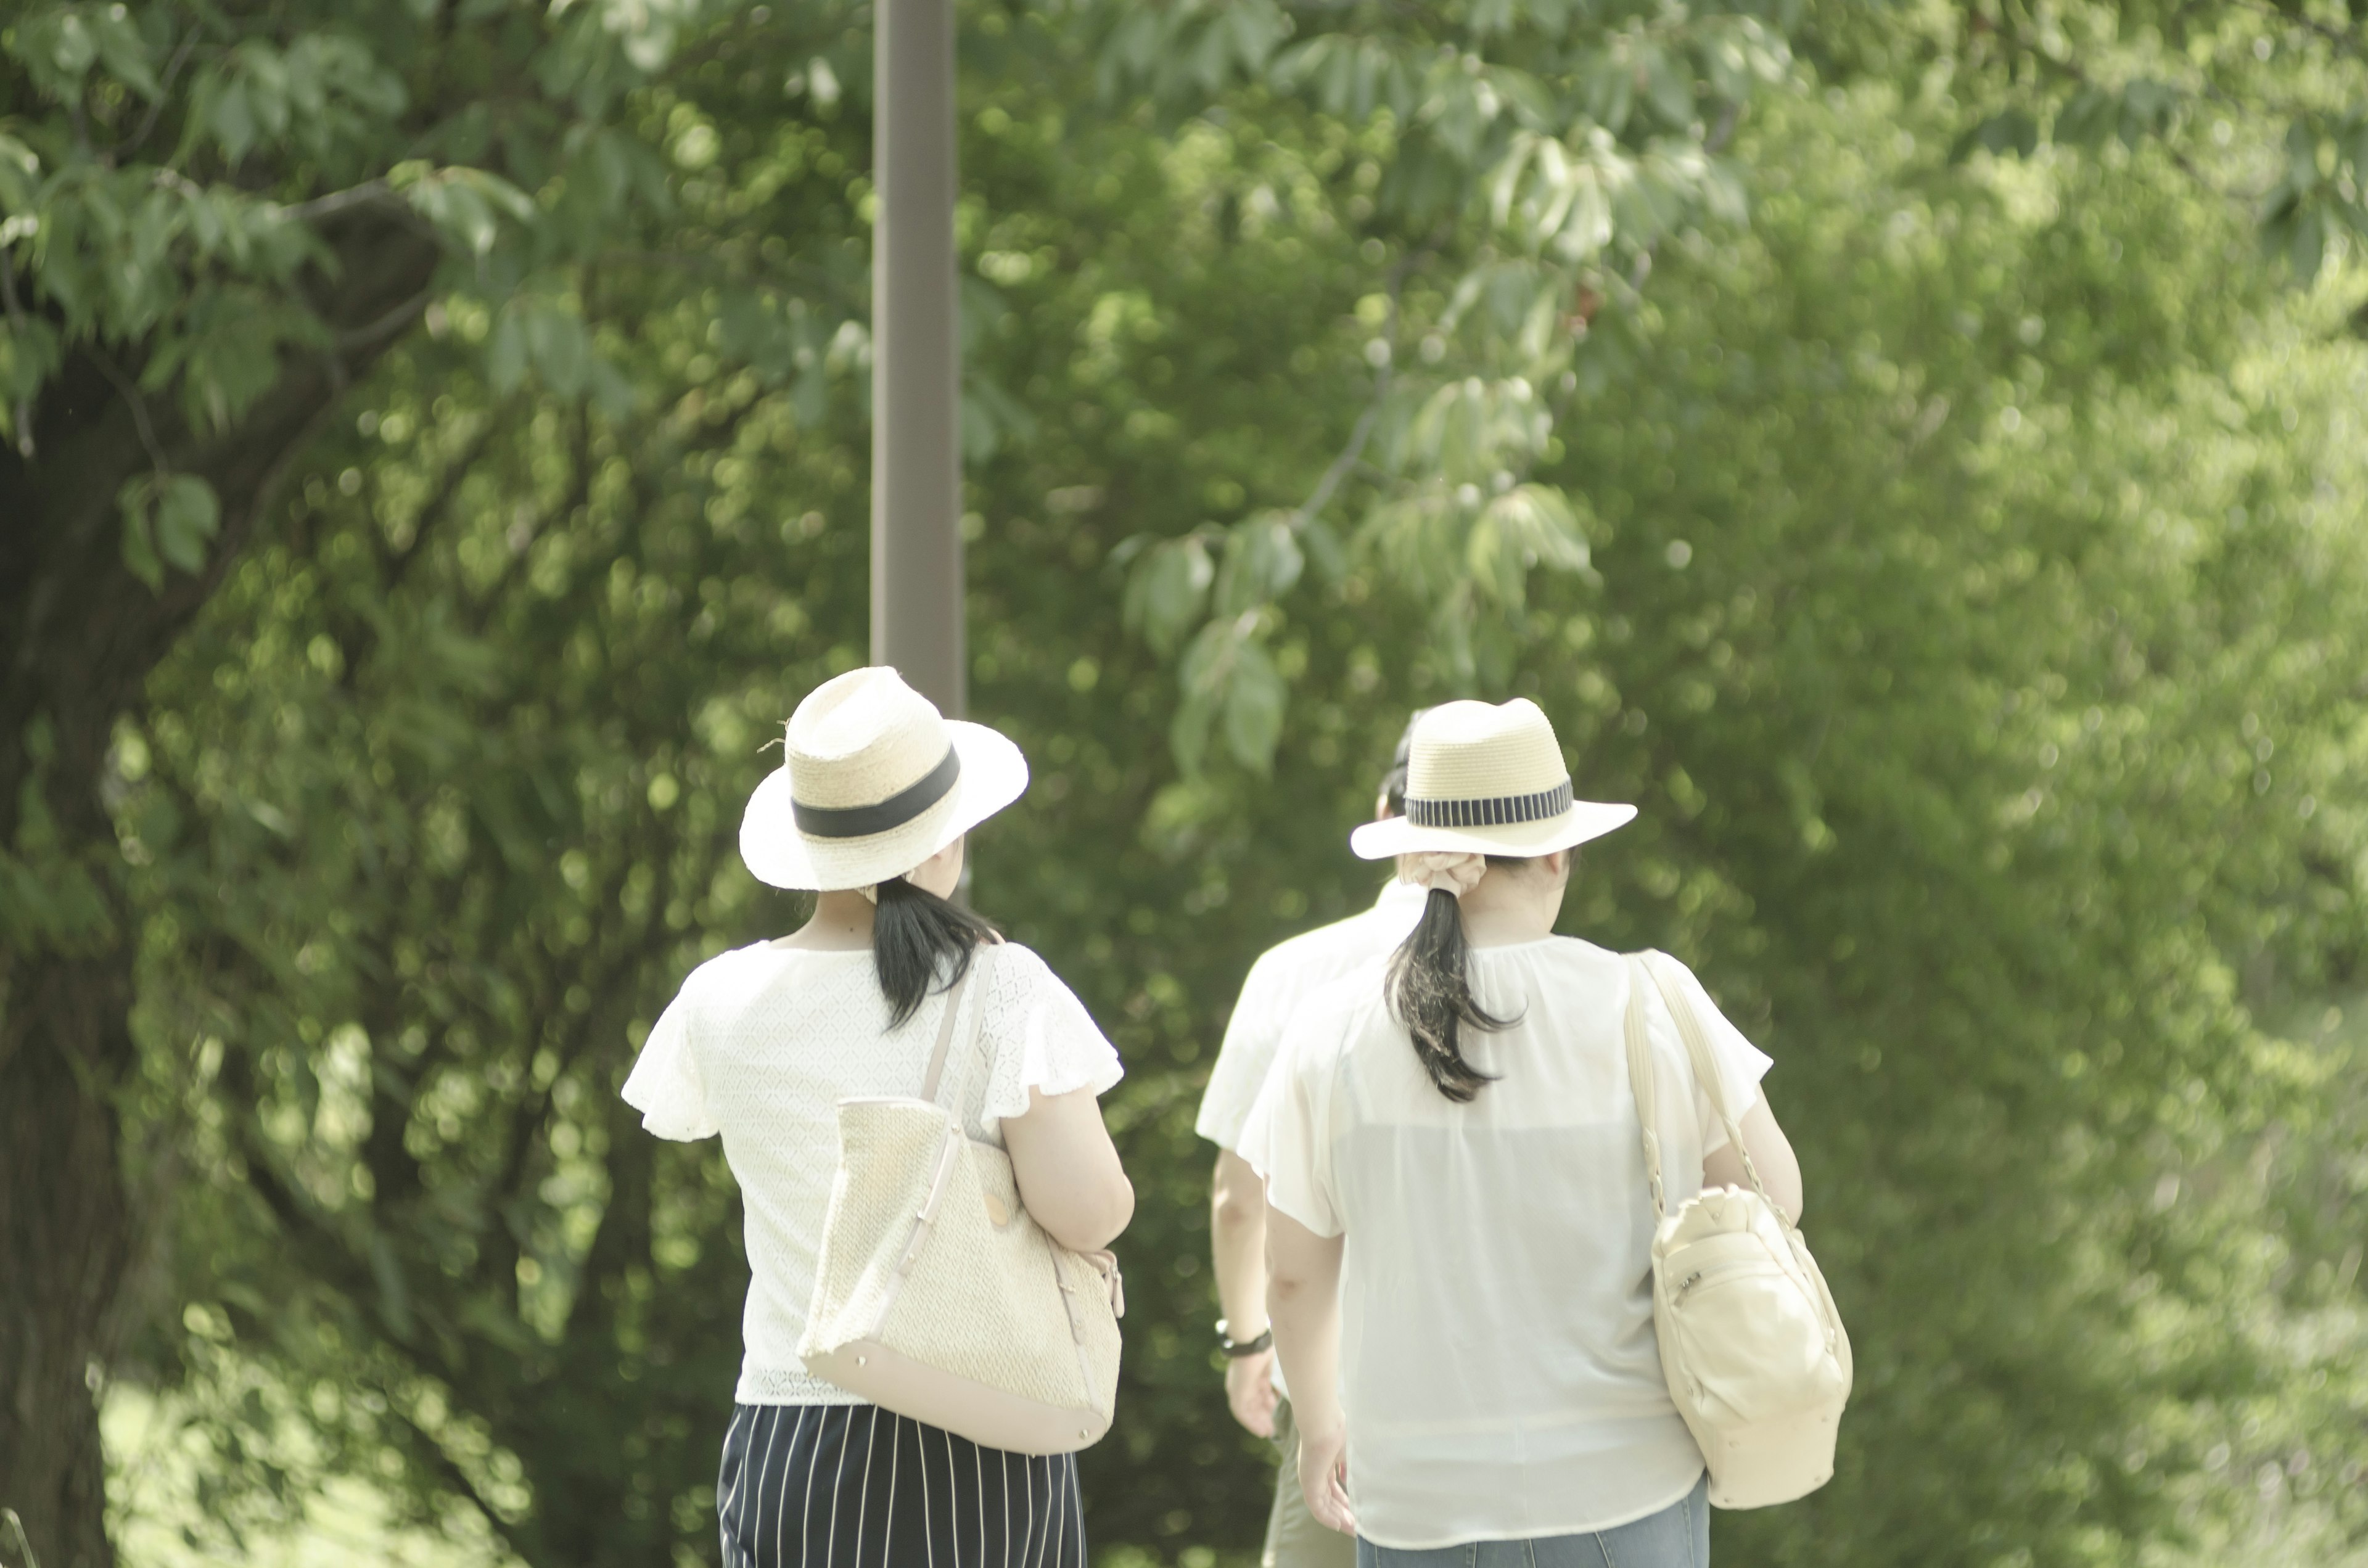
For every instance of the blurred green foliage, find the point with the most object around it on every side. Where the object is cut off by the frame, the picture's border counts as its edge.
(1951, 538)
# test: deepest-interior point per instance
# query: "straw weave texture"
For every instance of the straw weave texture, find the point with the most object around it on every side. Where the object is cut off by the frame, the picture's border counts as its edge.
(982, 1300)
(1477, 751)
(860, 738)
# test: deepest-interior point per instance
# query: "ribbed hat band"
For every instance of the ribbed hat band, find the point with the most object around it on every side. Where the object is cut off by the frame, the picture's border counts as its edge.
(1492, 812)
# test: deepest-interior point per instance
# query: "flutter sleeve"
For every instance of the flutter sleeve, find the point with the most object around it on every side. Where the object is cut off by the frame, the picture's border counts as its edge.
(1038, 1035)
(1245, 1057)
(1288, 1140)
(1740, 1063)
(665, 1085)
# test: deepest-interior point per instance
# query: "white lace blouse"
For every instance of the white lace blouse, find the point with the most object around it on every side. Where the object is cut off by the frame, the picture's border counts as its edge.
(763, 1042)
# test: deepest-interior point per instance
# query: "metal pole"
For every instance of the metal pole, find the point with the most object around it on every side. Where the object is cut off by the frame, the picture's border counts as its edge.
(917, 552)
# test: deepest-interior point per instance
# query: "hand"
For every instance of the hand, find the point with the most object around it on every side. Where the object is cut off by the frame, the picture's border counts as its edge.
(1324, 1475)
(1249, 1389)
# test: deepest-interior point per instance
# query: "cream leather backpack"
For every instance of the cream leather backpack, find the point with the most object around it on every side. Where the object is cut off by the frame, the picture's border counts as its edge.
(1754, 1351)
(937, 1297)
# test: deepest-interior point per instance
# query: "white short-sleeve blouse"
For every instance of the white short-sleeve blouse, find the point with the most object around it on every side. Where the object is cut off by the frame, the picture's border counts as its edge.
(763, 1042)
(1498, 1367)
(1284, 976)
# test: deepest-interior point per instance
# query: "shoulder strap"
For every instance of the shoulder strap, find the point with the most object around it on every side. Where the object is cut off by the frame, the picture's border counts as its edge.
(946, 1032)
(1705, 1068)
(1640, 1081)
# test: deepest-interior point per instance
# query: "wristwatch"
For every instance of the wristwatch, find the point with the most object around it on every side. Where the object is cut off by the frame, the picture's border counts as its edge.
(1237, 1349)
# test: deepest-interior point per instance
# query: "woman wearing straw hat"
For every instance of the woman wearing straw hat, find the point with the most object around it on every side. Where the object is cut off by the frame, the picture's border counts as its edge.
(869, 809)
(1460, 1225)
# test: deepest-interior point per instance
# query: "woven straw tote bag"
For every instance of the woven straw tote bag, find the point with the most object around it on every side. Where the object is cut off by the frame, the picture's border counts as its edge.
(1755, 1353)
(937, 1297)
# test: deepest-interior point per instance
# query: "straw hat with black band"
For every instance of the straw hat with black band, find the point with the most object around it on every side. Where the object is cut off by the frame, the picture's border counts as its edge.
(1487, 779)
(873, 782)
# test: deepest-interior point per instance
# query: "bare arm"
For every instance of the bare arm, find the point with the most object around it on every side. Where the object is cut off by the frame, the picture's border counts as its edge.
(1302, 1298)
(1238, 1248)
(1772, 1151)
(1068, 1168)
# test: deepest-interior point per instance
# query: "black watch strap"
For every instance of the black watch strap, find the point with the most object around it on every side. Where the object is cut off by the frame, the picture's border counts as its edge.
(1237, 1349)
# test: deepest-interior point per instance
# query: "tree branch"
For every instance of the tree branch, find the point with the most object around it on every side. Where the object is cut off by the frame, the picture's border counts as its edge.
(449, 1469)
(1338, 470)
(387, 325)
(24, 412)
(164, 96)
(132, 400)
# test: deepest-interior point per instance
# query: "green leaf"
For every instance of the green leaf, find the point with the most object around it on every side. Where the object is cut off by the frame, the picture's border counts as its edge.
(497, 191)
(167, 520)
(1165, 591)
(233, 119)
(2009, 134)
(2088, 118)
(58, 48)
(20, 175)
(188, 515)
(1667, 86)
(561, 351)
(30, 352)
(2149, 109)
(1254, 699)
(1262, 562)
(122, 50)
(505, 352)
(2306, 243)
(135, 499)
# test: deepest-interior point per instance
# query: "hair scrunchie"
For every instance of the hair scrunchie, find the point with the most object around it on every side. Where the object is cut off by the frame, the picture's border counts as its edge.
(1453, 872)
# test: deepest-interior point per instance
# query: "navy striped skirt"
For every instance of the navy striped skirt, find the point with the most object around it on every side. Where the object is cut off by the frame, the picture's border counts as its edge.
(822, 1486)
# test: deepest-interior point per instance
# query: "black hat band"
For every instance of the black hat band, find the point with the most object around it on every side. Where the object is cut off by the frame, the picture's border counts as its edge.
(862, 822)
(1497, 811)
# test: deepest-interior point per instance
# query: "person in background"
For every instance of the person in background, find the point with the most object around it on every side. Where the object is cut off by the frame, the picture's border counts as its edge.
(870, 807)
(1277, 982)
(1459, 1225)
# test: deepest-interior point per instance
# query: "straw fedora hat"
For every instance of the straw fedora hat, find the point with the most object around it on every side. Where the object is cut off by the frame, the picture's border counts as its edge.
(873, 780)
(1485, 780)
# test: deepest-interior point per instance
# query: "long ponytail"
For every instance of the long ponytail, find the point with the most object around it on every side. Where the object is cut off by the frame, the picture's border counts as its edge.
(1429, 991)
(913, 934)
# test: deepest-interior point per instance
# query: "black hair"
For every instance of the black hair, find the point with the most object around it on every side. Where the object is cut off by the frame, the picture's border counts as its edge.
(1394, 782)
(1429, 991)
(914, 934)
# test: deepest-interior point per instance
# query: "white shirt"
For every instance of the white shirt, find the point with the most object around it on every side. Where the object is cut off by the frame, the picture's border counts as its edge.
(1282, 977)
(763, 1042)
(1498, 1367)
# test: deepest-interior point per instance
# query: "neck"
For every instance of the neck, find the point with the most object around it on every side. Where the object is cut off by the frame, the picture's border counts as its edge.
(841, 920)
(1510, 905)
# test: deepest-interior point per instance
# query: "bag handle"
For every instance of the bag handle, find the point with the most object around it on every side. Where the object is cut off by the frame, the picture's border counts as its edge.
(1640, 1083)
(1705, 1066)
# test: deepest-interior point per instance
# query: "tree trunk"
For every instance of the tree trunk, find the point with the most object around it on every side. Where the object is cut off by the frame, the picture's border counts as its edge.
(78, 637)
(65, 1237)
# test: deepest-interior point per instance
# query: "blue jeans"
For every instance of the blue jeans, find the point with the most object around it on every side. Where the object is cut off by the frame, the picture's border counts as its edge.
(1676, 1536)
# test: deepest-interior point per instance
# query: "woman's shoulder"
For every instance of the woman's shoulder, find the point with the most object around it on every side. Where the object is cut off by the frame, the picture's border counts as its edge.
(1017, 969)
(1333, 1016)
(730, 975)
(1555, 952)
(735, 961)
